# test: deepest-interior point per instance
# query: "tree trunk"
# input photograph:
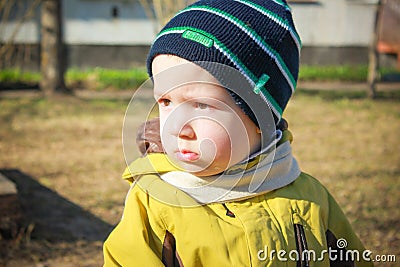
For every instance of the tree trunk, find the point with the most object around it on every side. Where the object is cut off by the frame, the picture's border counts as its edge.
(51, 60)
(374, 55)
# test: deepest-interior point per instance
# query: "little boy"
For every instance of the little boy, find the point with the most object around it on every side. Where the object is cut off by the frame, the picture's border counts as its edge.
(225, 189)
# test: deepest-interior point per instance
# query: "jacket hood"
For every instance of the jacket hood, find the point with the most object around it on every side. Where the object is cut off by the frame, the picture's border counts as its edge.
(153, 163)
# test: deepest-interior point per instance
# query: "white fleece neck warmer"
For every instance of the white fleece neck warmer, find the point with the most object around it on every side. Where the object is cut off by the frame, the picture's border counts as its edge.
(274, 170)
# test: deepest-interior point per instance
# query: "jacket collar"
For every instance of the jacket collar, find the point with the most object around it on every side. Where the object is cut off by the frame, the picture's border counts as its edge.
(261, 174)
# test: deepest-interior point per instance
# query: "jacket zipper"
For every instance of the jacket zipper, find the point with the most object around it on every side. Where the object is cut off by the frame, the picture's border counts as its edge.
(301, 244)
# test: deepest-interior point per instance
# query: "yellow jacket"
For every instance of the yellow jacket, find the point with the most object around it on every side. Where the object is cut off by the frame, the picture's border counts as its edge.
(297, 225)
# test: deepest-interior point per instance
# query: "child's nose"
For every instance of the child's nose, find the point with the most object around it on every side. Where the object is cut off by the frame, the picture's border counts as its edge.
(187, 132)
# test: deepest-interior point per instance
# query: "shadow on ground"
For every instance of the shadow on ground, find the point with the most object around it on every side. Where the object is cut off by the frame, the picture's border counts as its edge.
(18, 86)
(53, 217)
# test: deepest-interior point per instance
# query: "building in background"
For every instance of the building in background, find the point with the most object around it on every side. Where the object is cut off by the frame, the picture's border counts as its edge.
(117, 34)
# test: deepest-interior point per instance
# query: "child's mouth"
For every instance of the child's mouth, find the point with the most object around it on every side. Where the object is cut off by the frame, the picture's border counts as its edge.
(186, 155)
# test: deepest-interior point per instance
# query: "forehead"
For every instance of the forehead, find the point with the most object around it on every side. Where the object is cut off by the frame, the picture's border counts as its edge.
(173, 75)
(163, 62)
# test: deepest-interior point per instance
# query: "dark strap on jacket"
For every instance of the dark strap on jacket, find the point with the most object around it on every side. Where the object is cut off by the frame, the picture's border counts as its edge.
(170, 256)
(332, 244)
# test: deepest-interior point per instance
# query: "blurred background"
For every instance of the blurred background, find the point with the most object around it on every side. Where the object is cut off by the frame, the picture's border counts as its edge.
(68, 70)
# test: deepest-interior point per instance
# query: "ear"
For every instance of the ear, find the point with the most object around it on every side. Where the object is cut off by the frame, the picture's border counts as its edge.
(258, 130)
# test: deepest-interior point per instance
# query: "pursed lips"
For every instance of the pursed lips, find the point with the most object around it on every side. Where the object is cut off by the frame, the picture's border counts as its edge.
(187, 155)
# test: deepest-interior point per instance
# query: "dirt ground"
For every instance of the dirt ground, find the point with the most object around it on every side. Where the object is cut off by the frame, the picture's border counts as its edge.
(68, 181)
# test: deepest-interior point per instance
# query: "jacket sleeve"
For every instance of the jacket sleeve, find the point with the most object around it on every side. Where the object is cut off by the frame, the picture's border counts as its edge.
(137, 239)
(343, 241)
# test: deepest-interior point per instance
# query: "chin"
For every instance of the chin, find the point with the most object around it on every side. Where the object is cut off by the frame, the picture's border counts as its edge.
(209, 171)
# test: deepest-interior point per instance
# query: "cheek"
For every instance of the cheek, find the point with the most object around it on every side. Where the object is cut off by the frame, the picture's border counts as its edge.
(163, 115)
(233, 144)
(212, 132)
(230, 140)
(162, 121)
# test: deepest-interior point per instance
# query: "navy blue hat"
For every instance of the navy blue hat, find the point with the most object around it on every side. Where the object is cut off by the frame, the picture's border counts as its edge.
(258, 38)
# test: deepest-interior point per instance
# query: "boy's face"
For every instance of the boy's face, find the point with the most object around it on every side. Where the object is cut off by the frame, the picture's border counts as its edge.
(202, 129)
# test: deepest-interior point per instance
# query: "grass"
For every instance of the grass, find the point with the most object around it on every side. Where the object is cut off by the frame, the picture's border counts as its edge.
(73, 146)
(333, 73)
(103, 79)
(349, 73)
(17, 75)
(111, 79)
(90, 79)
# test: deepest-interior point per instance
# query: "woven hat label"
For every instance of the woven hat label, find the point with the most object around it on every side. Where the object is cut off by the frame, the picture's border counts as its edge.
(198, 37)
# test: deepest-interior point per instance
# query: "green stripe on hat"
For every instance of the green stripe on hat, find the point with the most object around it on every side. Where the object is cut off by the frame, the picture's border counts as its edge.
(276, 18)
(267, 48)
(269, 99)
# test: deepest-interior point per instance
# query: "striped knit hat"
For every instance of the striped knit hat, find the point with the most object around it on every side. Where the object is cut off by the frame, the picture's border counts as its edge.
(256, 37)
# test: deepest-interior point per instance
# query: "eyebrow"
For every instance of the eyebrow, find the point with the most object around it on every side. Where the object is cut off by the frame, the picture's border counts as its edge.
(188, 93)
(157, 95)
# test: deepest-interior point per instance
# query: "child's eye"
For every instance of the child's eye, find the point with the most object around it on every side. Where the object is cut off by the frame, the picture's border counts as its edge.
(202, 105)
(164, 102)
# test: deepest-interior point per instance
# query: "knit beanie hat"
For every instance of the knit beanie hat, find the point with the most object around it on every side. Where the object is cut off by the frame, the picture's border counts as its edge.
(255, 37)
